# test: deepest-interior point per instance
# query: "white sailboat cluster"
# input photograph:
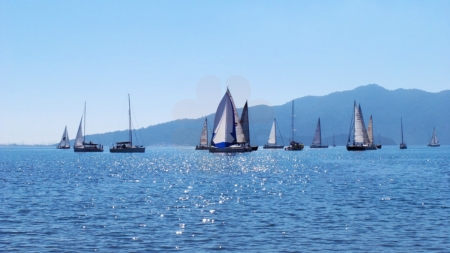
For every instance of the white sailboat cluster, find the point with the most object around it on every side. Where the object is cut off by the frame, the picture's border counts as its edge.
(361, 140)
(228, 135)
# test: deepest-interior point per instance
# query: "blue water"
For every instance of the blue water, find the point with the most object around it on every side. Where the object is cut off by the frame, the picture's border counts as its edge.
(171, 199)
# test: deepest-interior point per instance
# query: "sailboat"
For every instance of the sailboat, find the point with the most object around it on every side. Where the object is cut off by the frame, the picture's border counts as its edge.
(127, 146)
(80, 143)
(203, 145)
(334, 144)
(370, 133)
(294, 146)
(228, 136)
(379, 142)
(317, 140)
(360, 137)
(65, 142)
(246, 126)
(434, 140)
(272, 142)
(402, 144)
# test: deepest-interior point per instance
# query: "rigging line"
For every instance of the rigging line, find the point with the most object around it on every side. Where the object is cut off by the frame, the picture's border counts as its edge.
(276, 126)
(250, 121)
(137, 126)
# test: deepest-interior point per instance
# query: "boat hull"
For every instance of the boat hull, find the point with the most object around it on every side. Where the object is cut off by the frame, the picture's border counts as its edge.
(254, 148)
(202, 147)
(379, 146)
(403, 146)
(88, 149)
(230, 150)
(434, 145)
(360, 148)
(295, 146)
(127, 150)
(62, 147)
(318, 146)
(273, 146)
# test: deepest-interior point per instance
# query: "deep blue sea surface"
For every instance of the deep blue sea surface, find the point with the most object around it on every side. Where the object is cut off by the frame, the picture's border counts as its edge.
(179, 199)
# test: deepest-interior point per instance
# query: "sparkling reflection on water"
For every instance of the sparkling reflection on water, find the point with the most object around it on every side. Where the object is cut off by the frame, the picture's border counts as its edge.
(270, 200)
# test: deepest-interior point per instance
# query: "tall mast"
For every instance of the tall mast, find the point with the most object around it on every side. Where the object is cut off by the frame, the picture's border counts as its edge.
(129, 121)
(206, 120)
(84, 130)
(401, 127)
(292, 122)
(275, 130)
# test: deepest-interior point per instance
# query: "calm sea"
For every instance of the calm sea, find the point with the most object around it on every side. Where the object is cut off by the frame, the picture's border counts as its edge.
(179, 199)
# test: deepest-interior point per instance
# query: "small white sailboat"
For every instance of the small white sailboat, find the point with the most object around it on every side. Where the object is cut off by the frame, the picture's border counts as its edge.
(294, 146)
(402, 144)
(317, 140)
(203, 145)
(228, 136)
(334, 144)
(361, 140)
(80, 144)
(370, 134)
(272, 142)
(245, 123)
(65, 142)
(127, 146)
(434, 142)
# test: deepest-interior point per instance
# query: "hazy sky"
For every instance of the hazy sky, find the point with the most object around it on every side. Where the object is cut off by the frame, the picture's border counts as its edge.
(176, 58)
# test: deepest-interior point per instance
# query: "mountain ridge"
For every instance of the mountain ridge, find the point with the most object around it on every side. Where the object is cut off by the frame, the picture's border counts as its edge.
(421, 111)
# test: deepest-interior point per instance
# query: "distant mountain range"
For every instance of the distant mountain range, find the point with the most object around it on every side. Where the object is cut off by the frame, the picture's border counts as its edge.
(421, 111)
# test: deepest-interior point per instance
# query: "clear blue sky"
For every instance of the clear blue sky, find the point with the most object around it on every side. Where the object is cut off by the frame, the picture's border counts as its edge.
(176, 58)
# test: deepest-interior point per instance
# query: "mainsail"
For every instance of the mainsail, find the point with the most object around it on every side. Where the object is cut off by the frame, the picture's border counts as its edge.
(204, 135)
(434, 139)
(370, 130)
(360, 132)
(227, 127)
(79, 141)
(64, 143)
(272, 136)
(318, 135)
(245, 123)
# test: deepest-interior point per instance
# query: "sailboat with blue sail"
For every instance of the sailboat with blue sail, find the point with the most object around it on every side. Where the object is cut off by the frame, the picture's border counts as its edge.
(228, 135)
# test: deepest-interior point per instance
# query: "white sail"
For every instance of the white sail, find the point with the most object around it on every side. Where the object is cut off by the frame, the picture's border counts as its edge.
(64, 143)
(318, 135)
(224, 134)
(79, 139)
(240, 137)
(370, 130)
(272, 136)
(204, 135)
(366, 136)
(360, 132)
(434, 139)
(245, 123)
